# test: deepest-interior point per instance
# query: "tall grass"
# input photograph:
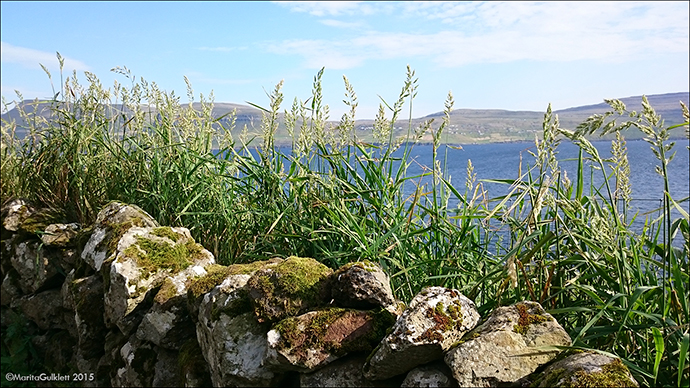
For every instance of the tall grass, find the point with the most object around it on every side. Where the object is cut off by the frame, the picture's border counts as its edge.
(338, 199)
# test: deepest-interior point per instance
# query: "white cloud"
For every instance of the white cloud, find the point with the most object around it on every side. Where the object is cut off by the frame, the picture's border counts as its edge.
(321, 53)
(32, 59)
(499, 32)
(330, 8)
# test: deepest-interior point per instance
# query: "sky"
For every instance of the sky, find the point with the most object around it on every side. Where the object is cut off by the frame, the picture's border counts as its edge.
(490, 55)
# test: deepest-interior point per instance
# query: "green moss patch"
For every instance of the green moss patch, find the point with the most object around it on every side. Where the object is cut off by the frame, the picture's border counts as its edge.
(288, 288)
(216, 273)
(365, 265)
(298, 276)
(153, 255)
(613, 374)
(117, 230)
(167, 232)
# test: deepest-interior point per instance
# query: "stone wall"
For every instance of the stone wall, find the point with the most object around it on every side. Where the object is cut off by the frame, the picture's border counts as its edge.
(127, 302)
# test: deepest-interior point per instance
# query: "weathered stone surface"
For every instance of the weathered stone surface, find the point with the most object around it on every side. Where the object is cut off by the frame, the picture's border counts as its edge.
(362, 285)
(233, 343)
(110, 362)
(235, 348)
(44, 309)
(224, 276)
(37, 266)
(314, 339)
(345, 372)
(436, 374)
(505, 348)
(111, 224)
(582, 369)
(436, 318)
(143, 260)
(60, 235)
(290, 288)
(15, 213)
(84, 298)
(168, 323)
(146, 365)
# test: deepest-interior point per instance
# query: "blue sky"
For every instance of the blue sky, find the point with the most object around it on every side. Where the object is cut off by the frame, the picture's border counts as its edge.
(513, 55)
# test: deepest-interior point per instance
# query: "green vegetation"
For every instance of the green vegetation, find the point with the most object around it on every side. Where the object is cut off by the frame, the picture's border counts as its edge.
(339, 199)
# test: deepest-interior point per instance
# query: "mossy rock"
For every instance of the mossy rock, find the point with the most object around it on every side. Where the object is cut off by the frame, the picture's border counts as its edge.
(289, 288)
(318, 337)
(582, 369)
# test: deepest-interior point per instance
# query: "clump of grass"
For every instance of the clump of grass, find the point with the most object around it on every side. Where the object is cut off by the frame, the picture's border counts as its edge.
(565, 242)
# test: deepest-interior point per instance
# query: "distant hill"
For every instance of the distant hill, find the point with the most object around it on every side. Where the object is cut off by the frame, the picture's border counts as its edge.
(466, 125)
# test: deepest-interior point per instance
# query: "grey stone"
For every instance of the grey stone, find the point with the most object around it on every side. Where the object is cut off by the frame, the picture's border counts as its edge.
(37, 266)
(132, 286)
(436, 318)
(44, 309)
(111, 223)
(506, 347)
(585, 369)
(345, 372)
(60, 235)
(290, 288)
(362, 285)
(436, 374)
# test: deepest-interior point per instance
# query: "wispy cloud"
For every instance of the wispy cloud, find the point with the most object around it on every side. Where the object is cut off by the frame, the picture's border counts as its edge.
(320, 53)
(330, 8)
(494, 32)
(32, 59)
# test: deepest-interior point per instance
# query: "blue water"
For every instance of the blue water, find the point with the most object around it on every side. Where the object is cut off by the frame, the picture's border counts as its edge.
(502, 161)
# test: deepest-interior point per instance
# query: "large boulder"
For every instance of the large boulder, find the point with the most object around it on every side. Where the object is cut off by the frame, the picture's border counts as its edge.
(362, 285)
(582, 369)
(314, 339)
(436, 318)
(144, 261)
(506, 347)
(290, 288)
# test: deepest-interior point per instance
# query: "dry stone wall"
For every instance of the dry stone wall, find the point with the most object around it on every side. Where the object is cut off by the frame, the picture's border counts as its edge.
(127, 302)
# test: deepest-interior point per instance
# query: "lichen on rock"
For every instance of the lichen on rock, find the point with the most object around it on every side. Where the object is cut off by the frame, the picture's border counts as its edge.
(436, 318)
(316, 338)
(504, 348)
